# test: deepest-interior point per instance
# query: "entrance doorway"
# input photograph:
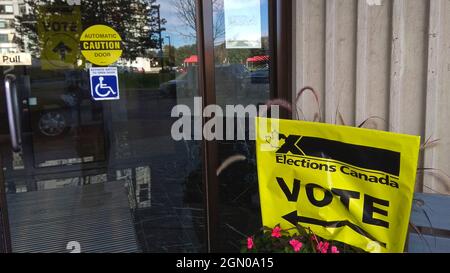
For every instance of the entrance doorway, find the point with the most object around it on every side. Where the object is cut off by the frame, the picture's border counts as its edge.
(86, 169)
(90, 175)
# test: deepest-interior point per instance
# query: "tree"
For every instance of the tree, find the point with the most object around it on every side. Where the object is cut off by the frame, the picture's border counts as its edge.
(223, 55)
(170, 52)
(187, 12)
(184, 52)
(134, 20)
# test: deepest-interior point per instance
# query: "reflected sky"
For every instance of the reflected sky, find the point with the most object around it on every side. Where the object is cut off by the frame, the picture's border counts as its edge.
(175, 28)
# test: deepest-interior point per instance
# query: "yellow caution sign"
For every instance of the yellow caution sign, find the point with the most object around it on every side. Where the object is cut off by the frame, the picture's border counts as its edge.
(101, 45)
(347, 184)
(59, 33)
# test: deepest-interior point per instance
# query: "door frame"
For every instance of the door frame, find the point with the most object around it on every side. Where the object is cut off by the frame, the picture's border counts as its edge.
(281, 48)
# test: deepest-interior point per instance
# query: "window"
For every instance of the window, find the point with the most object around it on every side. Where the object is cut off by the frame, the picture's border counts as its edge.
(6, 9)
(22, 9)
(6, 24)
(4, 38)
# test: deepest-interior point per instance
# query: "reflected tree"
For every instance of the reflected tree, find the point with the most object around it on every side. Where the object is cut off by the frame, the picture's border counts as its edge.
(223, 55)
(187, 11)
(134, 20)
(184, 52)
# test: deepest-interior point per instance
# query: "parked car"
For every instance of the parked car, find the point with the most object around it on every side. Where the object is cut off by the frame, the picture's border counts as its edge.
(259, 76)
(184, 85)
(60, 102)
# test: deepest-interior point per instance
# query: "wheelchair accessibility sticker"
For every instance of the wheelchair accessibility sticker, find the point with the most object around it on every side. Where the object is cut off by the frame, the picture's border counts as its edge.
(104, 83)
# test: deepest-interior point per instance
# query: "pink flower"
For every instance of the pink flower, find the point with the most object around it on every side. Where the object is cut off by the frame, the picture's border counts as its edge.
(334, 249)
(323, 247)
(276, 232)
(296, 245)
(250, 243)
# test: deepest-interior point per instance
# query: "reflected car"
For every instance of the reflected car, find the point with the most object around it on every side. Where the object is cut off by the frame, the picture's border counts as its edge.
(184, 85)
(230, 79)
(259, 76)
(60, 102)
(169, 89)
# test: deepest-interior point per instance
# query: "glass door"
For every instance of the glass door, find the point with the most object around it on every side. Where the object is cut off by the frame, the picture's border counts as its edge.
(89, 160)
(242, 71)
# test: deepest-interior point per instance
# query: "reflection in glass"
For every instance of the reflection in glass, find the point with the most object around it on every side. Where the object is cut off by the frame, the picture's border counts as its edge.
(105, 174)
(242, 78)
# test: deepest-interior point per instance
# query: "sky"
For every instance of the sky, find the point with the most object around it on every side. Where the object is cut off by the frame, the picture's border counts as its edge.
(175, 26)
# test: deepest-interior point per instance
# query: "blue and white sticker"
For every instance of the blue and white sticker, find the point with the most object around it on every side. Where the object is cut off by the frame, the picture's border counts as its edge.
(104, 83)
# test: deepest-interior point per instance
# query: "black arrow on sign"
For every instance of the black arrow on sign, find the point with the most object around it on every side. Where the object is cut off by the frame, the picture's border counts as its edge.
(294, 219)
(62, 49)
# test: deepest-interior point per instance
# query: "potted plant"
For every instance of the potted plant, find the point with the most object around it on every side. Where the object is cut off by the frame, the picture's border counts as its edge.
(295, 240)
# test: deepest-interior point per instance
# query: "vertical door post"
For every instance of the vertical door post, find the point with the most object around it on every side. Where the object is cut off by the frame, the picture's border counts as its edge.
(206, 64)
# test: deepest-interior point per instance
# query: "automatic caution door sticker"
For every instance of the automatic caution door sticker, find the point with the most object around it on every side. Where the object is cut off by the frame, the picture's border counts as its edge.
(347, 184)
(101, 45)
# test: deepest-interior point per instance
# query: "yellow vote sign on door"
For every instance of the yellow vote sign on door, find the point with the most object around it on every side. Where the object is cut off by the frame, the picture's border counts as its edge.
(101, 45)
(59, 33)
(346, 184)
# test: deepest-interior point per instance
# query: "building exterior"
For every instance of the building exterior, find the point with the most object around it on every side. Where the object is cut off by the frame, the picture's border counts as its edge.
(383, 59)
(8, 11)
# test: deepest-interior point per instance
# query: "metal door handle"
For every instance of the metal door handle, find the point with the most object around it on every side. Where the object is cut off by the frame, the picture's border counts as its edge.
(13, 109)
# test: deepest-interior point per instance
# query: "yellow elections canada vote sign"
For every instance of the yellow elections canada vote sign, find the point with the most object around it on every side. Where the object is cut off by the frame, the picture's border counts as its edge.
(101, 45)
(346, 184)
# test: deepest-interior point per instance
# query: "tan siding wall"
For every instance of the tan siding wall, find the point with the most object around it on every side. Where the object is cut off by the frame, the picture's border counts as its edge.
(388, 59)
